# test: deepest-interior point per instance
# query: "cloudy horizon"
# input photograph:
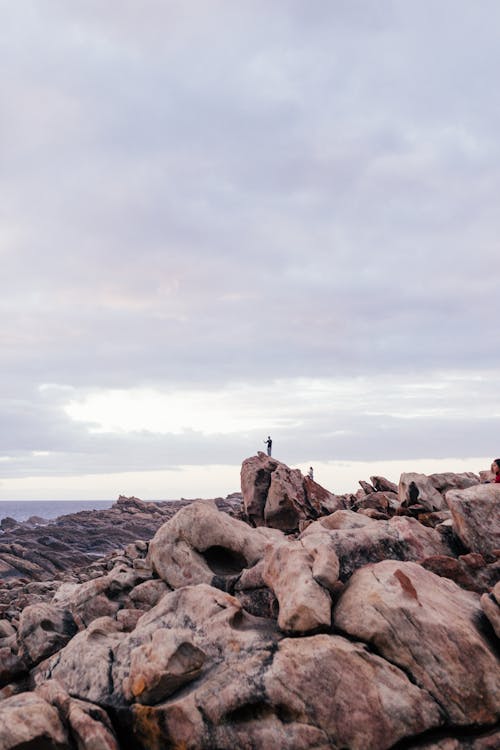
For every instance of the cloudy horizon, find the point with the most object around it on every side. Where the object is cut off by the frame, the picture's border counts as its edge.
(227, 220)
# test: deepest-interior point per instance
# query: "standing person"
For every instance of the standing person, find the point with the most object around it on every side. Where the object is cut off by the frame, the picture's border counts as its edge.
(495, 468)
(269, 444)
(310, 473)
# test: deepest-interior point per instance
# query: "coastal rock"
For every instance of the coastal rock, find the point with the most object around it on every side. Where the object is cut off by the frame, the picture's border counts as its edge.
(202, 545)
(428, 627)
(381, 484)
(304, 604)
(491, 607)
(277, 496)
(418, 489)
(356, 698)
(400, 538)
(43, 630)
(28, 722)
(158, 668)
(89, 725)
(476, 517)
(449, 481)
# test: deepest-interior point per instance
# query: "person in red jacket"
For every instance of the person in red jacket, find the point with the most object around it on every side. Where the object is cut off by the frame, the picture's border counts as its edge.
(495, 468)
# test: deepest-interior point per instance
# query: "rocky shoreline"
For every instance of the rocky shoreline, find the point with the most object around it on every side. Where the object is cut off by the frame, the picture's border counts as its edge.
(285, 617)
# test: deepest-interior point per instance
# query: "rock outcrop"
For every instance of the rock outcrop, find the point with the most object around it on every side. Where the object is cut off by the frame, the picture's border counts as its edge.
(275, 495)
(370, 626)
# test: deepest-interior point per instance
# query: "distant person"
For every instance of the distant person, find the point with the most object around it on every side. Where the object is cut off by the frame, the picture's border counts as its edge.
(269, 444)
(310, 473)
(495, 468)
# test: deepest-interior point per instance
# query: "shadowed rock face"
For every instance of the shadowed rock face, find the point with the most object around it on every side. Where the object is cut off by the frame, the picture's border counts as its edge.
(186, 641)
(275, 495)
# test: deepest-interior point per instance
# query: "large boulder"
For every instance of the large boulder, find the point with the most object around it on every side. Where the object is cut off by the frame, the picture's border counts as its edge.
(203, 545)
(401, 538)
(28, 722)
(43, 630)
(476, 517)
(275, 495)
(300, 574)
(450, 481)
(89, 725)
(418, 489)
(428, 627)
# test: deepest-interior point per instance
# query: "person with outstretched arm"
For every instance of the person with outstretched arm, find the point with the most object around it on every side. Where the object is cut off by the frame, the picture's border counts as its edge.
(269, 444)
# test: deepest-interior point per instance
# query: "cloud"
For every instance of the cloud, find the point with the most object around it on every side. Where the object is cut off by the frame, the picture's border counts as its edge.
(222, 197)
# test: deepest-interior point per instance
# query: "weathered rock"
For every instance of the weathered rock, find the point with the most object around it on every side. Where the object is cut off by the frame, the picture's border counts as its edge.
(427, 626)
(89, 725)
(12, 666)
(400, 538)
(448, 481)
(202, 545)
(359, 700)
(381, 484)
(277, 496)
(43, 630)
(476, 517)
(158, 668)
(27, 722)
(341, 519)
(317, 692)
(418, 489)
(491, 607)
(304, 603)
(84, 666)
(469, 573)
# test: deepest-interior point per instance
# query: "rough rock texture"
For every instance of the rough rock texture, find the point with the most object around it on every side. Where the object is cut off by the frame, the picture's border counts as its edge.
(275, 495)
(476, 517)
(491, 607)
(201, 545)
(43, 630)
(418, 489)
(398, 539)
(108, 657)
(429, 627)
(27, 722)
(300, 574)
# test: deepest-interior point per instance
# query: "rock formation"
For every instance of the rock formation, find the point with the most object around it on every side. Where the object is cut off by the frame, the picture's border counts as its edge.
(365, 622)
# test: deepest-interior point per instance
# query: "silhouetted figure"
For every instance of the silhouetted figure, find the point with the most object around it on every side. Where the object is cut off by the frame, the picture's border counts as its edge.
(310, 473)
(269, 444)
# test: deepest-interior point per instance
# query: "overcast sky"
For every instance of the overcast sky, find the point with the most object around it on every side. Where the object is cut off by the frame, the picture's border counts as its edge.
(222, 220)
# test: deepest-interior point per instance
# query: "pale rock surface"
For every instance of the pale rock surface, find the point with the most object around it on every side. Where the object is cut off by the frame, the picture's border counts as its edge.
(427, 626)
(304, 604)
(359, 700)
(27, 722)
(418, 489)
(202, 545)
(400, 538)
(280, 497)
(43, 630)
(491, 607)
(84, 666)
(476, 517)
(90, 726)
(448, 481)
(159, 667)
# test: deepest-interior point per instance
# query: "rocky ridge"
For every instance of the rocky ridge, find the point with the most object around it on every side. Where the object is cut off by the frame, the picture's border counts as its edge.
(287, 617)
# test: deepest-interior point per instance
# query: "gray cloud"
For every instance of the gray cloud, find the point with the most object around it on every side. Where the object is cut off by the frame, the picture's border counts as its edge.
(208, 193)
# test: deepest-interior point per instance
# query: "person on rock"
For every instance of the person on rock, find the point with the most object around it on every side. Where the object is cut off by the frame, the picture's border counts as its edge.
(269, 444)
(495, 468)
(310, 473)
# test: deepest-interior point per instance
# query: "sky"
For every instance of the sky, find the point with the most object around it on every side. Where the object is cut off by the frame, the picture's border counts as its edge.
(220, 221)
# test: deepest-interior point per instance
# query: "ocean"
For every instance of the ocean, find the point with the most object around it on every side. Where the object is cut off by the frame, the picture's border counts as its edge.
(21, 510)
